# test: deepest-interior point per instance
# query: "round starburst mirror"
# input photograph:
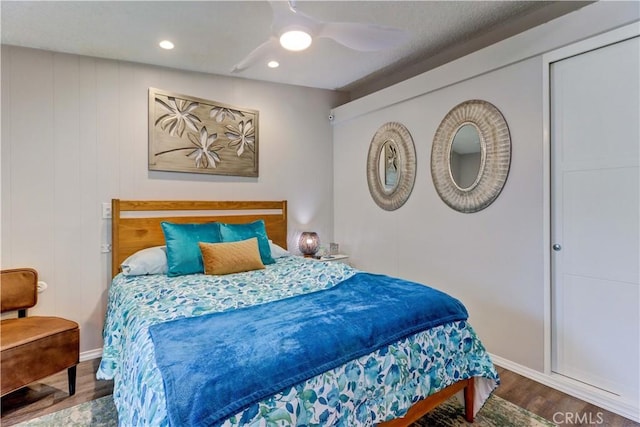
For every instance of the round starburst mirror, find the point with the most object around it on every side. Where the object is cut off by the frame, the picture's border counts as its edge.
(471, 156)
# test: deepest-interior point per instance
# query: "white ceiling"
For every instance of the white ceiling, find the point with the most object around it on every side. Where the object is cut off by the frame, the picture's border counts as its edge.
(212, 36)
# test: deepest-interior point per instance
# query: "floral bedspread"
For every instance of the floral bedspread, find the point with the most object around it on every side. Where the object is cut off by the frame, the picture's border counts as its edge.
(374, 388)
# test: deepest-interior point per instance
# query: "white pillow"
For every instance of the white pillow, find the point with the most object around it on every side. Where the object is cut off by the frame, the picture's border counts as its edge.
(146, 261)
(277, 251)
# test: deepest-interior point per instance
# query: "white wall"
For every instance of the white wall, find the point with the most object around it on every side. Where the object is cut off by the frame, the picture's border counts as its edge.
(487, 259)
(493, 260)
(74, 135)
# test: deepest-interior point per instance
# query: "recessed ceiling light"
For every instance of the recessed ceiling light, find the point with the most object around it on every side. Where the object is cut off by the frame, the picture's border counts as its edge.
(273, 64)
(166, 44)
(295, 40)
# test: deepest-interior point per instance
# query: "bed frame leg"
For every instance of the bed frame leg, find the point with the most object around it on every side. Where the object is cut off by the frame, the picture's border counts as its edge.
(469, 392)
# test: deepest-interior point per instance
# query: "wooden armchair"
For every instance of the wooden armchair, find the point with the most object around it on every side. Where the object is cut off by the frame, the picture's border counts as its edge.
(35, 347)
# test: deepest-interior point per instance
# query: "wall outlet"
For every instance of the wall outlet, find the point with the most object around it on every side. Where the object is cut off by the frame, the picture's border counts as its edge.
(106, 210)
(42, 286)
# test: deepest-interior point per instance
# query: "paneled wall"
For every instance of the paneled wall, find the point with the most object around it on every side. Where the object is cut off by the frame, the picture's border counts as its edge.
(74, 135)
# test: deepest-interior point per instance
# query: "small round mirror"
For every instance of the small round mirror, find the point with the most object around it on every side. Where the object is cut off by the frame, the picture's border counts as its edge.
(388, 166)
(465, 159)
(391, 166)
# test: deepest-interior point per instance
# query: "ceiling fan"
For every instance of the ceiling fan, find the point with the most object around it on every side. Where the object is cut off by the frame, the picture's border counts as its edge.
(294, 30)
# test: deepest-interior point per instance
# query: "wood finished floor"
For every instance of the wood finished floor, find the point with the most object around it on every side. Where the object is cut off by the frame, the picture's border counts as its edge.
(50, 395)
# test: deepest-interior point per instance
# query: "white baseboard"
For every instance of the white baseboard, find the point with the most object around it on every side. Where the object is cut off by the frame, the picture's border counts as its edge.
(91, 354)
(595, 396)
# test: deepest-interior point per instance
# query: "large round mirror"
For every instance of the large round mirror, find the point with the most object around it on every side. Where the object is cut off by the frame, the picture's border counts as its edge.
(466, 157)
(471, 156)
(391, 166)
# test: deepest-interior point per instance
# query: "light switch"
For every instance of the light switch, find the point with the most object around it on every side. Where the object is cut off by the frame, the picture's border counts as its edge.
(106, 210)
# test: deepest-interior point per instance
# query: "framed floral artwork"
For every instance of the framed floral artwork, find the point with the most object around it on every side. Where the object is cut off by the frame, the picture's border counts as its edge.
(189, 134)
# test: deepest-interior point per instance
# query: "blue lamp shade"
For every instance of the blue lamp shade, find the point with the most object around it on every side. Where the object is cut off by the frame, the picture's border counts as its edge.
(309, 243)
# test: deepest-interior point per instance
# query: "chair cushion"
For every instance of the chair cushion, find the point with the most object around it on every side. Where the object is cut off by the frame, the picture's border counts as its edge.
(17, 332)
(34, 348)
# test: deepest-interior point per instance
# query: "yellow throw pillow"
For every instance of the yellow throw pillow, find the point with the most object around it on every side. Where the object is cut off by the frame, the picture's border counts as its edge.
(231, 257)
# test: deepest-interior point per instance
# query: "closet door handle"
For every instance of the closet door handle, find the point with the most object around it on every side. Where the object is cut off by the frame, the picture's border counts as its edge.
(557, 247)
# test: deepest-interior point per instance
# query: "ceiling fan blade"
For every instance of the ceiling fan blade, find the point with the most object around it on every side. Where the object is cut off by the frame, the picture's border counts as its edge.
(364, 37)
(282, 7)
(261, 52)
(286, 15)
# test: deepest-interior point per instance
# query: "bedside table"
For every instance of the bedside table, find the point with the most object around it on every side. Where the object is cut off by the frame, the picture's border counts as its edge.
(334, 258)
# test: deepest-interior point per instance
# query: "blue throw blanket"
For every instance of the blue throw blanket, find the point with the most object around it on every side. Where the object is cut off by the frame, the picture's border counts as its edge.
(216, 365)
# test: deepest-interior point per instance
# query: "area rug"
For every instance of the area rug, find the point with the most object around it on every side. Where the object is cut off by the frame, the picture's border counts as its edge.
(496, 412)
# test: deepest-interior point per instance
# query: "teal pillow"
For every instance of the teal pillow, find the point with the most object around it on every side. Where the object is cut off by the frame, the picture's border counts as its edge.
(237, 232)
(183, 252)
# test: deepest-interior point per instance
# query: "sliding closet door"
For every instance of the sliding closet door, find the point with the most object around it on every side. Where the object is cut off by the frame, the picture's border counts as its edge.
(595, 140)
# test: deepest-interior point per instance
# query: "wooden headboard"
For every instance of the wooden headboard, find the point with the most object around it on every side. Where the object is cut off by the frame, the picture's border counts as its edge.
(136, 223)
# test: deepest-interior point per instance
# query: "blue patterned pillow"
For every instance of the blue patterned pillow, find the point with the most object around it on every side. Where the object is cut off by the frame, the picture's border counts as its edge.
(183, 252)
(237, 232)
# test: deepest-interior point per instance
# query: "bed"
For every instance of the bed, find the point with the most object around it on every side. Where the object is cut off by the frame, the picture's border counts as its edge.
(393, 385)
